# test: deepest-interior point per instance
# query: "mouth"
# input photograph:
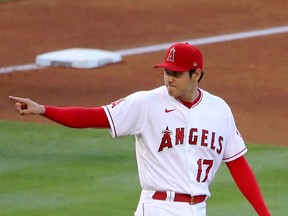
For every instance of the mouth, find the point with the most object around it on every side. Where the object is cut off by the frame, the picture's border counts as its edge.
(171, 89)
(170, 86)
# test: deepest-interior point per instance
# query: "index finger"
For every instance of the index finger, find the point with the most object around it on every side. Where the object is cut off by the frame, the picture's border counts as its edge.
(18, 99)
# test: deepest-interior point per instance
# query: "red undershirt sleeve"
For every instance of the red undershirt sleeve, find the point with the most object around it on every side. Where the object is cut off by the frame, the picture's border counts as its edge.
(78, 117)
(247, 184)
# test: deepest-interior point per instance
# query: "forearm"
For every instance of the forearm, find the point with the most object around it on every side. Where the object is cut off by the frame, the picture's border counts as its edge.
(77, 117)
(247, 184)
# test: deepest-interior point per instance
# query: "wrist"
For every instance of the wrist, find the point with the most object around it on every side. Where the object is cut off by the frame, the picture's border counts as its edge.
(42, 110)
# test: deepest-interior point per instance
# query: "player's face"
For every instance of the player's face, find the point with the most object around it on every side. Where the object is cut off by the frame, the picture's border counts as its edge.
(180, 85)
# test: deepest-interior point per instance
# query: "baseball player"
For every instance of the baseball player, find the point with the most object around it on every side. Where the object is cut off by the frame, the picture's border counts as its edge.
(182, 133)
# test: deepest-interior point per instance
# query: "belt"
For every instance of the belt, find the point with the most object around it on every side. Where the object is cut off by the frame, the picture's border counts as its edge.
(192, 200)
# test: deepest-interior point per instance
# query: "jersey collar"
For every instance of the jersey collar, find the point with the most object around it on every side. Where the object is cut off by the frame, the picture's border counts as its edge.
(190, 105)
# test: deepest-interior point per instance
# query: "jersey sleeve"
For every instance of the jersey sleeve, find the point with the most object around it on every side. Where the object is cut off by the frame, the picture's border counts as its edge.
(127, 116)
(235, 146)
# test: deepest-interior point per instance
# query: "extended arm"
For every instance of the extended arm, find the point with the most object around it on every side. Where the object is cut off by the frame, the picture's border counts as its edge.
(247, 184)
(76, 117)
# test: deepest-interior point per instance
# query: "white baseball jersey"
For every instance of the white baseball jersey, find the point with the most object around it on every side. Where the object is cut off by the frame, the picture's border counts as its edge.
(178, 149)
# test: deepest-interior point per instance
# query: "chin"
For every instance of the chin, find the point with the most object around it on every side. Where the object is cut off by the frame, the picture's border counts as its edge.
(171, 93)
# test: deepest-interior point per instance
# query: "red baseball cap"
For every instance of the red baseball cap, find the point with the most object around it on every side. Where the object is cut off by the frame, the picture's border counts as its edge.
(181, 57)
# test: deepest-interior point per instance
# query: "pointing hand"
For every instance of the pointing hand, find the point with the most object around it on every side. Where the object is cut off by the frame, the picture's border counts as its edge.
(25, 106)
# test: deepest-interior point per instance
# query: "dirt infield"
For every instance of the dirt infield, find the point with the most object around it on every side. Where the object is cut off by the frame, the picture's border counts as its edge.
(251, 74)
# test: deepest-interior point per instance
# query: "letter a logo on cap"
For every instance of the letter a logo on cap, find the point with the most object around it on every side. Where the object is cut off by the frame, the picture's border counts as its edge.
(170, 57)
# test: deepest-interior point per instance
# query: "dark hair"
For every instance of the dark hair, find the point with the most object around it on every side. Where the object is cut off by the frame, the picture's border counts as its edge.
(193, 71)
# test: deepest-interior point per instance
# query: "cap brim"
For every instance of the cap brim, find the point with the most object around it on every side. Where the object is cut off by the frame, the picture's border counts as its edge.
(171, 66)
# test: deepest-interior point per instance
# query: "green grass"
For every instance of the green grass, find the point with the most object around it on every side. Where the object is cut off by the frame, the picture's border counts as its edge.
(53, 170)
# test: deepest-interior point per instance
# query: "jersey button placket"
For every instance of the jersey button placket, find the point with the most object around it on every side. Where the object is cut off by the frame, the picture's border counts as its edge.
(188, 148)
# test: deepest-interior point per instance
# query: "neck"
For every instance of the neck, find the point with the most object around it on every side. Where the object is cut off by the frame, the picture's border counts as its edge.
(190, 97)
(195, 98)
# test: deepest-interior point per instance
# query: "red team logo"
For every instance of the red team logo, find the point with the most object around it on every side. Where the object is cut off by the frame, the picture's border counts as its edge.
(171, 55)
(204, 138)
(166, 139)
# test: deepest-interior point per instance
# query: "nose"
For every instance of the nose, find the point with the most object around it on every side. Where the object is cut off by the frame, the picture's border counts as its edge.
(171, 77)
(168, 78)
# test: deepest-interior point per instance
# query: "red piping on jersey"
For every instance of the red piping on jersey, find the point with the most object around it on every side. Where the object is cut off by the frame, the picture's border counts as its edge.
(235, 154)
(112, 122)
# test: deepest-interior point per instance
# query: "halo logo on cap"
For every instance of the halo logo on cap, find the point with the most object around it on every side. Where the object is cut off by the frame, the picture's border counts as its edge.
(171, 55)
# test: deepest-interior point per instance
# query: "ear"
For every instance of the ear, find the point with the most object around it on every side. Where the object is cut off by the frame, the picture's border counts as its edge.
(197, 74)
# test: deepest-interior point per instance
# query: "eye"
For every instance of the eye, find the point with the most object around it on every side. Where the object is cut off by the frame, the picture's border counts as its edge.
(172, 73)
(176, 74)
